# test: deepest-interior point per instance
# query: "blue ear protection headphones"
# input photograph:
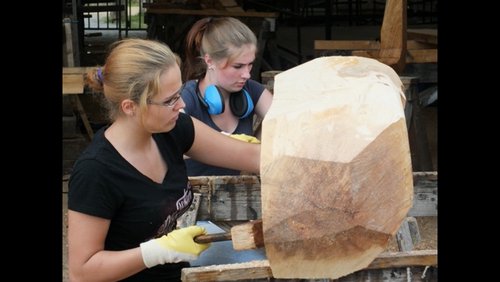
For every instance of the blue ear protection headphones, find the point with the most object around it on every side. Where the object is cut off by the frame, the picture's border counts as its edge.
(240, 102)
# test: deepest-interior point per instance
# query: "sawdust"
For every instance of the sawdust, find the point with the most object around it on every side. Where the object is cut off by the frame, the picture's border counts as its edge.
(427, 227)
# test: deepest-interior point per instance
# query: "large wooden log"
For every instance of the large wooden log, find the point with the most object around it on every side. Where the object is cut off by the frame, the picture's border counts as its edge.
(335, 167)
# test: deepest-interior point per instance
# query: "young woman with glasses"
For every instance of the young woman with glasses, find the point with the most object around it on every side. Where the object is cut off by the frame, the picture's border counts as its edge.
(129, 187)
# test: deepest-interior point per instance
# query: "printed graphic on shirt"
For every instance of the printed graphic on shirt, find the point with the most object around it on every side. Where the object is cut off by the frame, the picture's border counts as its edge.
(182, 205)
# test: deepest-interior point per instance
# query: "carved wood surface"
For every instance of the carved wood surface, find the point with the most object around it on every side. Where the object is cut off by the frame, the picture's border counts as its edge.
(335, 167)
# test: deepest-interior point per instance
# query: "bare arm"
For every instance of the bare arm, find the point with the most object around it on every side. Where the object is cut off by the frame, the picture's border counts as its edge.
(213, 148)
(87, 259)
(264, 103)
(261, 110)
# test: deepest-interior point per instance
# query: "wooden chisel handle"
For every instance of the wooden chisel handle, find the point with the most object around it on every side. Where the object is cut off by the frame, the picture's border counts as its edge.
(246, 236)
(209, 238)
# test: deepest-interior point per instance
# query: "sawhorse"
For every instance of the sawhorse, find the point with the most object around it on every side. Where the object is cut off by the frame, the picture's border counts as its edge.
(73, 85)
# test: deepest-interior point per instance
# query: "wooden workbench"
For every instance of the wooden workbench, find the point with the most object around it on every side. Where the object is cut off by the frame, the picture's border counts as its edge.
(236, 198)
(73, 85)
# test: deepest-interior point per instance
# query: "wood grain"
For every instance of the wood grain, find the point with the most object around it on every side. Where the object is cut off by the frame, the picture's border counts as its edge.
(335, 167)
(385, 266)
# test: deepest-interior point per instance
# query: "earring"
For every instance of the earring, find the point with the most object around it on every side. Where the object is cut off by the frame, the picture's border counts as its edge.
(211, 68)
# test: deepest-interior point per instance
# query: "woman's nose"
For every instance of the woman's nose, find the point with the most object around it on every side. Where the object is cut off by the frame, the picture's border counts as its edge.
(246, 73)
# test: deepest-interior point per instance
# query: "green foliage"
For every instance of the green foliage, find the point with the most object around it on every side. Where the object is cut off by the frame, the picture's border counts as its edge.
(136, 21)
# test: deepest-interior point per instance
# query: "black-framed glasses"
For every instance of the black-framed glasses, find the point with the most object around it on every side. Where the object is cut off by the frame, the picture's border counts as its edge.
(170, 103)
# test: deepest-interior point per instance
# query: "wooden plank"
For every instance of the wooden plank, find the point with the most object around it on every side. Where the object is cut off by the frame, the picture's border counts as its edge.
(228, 3)
(228, 198)
(428, 96)
(425, 197)
(214, 204)
(399, 274)
(235, 9)
(408, 235)
(346, 44)
(72, 84)
(403, 259)
(190, 216)
(422, 56)
(413, 56)
(324, 45)
(261, 268)
(426, 35)
(393, 35)
(416, 45)
(231, 5)
(75, 70)
(81, 111)
(227, 272)
(68, 50)
(212, 12)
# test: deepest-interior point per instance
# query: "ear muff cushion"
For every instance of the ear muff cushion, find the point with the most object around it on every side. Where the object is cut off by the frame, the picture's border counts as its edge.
(241, 104)
(213, 98)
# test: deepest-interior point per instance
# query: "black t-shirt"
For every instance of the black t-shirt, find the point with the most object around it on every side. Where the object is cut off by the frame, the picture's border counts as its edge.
(104, 184)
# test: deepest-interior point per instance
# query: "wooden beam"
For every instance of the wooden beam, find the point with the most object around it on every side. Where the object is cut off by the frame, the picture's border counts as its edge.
(422, 56)
(227, 272)
(75, 70)
(428, 96)
(413, 56)
(77, 104)
(260, 269)
(408, 234)
(402, 259)
(72, 84)
(212, 12)
(425, 198)
(393, 35)
(227, 198)
(346, 45)
(231, 5)
(189, 217)
(325, 45)
(425, 35)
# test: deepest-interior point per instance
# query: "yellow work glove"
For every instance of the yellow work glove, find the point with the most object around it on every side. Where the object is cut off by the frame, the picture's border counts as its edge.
(246, 138)
(176, 246)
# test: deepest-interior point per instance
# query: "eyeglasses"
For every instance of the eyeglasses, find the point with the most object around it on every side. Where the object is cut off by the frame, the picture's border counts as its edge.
(170, 102)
